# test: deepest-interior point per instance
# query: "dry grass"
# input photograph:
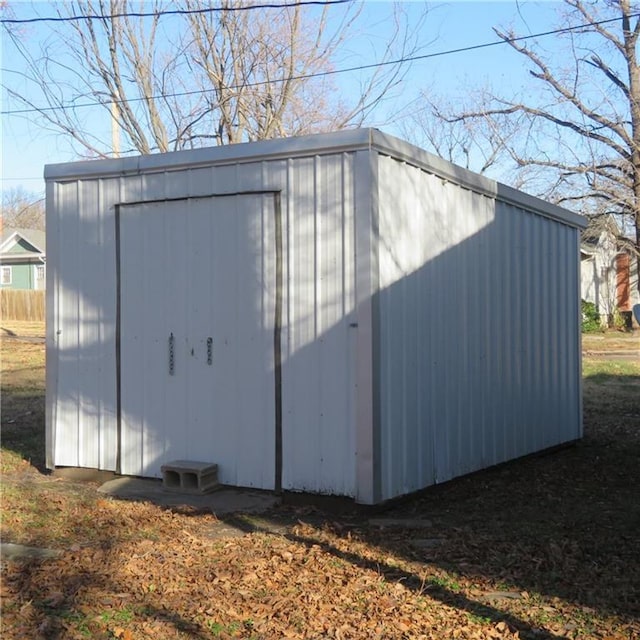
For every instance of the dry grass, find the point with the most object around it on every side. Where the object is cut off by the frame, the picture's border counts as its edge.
(9, 328)
(542, 548)
(611, 341)
(22, 389)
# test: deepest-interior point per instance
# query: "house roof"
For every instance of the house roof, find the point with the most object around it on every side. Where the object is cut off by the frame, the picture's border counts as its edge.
(597, 225)
(33, 237)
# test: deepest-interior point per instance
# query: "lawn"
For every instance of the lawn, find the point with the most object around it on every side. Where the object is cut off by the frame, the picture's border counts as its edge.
(593, 343)
(544, 548)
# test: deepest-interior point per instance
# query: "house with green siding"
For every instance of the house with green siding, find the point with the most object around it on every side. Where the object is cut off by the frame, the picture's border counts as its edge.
(22, 259)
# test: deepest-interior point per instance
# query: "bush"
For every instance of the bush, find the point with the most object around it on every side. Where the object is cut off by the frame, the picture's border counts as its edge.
(590, 317)
(621, 320)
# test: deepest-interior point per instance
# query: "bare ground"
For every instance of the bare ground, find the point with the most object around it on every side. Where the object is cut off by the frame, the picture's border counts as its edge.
(545, 547)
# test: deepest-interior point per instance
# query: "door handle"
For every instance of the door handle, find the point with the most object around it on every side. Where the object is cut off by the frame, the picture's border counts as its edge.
(172, 358)
(209, 351)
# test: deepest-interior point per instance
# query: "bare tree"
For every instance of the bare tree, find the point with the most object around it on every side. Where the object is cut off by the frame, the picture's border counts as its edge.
(253, 68)
(479, 144)
(578, 135)
(22, 210)
(181, 81)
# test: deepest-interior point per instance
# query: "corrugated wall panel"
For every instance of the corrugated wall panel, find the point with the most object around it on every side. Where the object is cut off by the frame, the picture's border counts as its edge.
(67, 440)
(89, 325)
(478, 340)
(319, 298)
(52, 324)
(366, 326)
(106, 368)
(82, 325)
(317, 367)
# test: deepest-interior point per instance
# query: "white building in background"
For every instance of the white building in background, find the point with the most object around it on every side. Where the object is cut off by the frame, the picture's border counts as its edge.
(608, 270)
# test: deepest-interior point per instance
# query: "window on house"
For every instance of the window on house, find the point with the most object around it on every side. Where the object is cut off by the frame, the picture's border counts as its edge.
(40, 272)
(6, 275)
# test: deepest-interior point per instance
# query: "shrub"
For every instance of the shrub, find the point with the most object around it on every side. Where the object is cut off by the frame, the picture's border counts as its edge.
(590, 317)
(621, 320)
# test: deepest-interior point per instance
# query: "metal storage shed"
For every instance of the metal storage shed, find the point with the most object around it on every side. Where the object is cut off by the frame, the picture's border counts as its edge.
(341, 313)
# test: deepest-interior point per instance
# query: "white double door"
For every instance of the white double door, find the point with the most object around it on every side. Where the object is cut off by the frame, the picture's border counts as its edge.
(196, 347)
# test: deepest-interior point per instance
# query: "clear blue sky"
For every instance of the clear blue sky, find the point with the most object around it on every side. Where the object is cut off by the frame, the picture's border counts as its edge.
(450, 25)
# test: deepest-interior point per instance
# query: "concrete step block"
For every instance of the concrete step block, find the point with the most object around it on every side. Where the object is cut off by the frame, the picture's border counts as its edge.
(187, 476)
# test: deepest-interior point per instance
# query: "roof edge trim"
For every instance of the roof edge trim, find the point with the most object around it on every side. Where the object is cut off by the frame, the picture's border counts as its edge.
(324, 143)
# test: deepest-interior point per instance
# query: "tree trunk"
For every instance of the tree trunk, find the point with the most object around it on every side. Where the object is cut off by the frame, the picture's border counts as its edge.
(630, 43)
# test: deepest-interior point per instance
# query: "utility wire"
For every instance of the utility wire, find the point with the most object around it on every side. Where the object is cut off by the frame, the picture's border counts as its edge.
(172, 12)
(322, 74)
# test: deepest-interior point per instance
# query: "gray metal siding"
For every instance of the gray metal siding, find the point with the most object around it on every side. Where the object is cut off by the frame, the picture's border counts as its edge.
(430, 320)
(479, 338)
(319, 305)
(365, 329)
(318, 403)
(52, 314)
(81, 400)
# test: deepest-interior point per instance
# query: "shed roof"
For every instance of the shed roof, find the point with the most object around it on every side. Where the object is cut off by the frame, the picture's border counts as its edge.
(318, 144)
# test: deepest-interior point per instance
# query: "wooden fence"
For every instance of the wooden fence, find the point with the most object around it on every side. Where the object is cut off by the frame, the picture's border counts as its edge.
(22, 304)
